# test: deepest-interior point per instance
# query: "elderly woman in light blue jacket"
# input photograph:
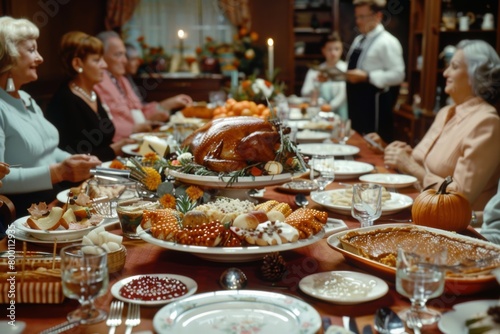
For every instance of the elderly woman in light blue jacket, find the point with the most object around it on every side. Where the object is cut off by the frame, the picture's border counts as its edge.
(491, 219)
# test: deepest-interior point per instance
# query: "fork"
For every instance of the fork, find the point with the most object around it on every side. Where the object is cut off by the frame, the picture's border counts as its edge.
(115, 316)
(133, 317)
(413, 322)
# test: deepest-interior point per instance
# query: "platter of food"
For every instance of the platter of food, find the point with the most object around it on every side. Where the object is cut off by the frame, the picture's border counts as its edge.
(218, 312)
(60, 234)
(343, 287)
(454, 322)
(326, 148)
(229, 254)
(379, 245)
(156, 289)
(245, 182)
(390, 180)
(347, 169)
(312, 136)
(339, 201)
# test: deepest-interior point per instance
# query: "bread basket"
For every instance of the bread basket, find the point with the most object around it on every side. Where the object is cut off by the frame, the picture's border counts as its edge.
(116, 260)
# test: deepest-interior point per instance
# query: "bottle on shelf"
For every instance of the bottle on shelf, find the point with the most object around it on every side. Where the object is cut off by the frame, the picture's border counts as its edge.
(437, 104)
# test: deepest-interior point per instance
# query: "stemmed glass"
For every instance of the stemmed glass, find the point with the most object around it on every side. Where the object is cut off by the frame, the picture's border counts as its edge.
(84, 274)
(420, 276)
(342, 132)
(366, 203)
(325, 166)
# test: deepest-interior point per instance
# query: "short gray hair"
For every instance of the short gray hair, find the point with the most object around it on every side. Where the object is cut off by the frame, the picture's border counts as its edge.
(105, 36)
(12, 32)
(483, 68)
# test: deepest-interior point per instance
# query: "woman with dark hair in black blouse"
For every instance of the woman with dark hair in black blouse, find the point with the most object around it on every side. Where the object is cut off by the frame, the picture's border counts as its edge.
(84, 125)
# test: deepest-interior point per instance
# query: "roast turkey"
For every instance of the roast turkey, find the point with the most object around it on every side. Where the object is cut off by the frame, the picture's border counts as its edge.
(233, 143)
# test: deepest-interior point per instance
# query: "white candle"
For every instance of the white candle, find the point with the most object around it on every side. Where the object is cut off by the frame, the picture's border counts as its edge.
(270, 51)
(182, 36)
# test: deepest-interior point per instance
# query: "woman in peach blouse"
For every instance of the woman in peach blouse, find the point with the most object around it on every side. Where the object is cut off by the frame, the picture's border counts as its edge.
(463, 139)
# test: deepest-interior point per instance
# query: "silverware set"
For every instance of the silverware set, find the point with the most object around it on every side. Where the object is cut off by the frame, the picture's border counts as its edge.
(115, 316)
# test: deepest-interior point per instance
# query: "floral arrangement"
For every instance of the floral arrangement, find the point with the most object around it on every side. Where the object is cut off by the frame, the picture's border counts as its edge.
(257, 89)
(154, 59)
(242, 54)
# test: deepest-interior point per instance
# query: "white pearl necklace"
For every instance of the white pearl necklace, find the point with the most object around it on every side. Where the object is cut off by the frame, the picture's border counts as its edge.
(92, 97)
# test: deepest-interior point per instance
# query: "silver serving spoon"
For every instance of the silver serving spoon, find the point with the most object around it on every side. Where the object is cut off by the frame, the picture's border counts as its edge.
(233, 279)
(301, 200)
(388, 322)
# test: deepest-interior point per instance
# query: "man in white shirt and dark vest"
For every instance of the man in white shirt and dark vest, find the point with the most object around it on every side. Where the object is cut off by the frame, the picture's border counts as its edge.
(375, 70)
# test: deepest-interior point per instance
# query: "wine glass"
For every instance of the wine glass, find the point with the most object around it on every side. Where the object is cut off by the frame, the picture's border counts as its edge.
(84, 274)
(342, 131)
(420, 276)
(366, 203)
(325, 166)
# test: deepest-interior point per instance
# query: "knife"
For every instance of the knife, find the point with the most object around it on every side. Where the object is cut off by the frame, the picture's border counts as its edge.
(350, 324)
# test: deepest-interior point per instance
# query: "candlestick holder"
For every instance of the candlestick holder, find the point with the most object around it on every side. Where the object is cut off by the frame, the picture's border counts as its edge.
(183, 65)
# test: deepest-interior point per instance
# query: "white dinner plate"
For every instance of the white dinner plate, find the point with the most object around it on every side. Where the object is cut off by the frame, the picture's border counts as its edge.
(310, 136)
(131, 149)
(191, 285)
(398, 202)
(240, 311)
(140, 135)
(347, 169)
(60, 234)
(7, 328)
(229, 254)
(453, 322)
(325, 148)
(343, 287)
(21, 236)
(334, 225)
(245, 182)
(390, 180)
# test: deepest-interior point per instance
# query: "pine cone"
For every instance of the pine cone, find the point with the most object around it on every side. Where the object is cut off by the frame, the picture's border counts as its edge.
(273, 267)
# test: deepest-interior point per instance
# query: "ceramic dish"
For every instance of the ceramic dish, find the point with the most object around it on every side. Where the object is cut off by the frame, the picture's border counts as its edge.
(397, 203)
(309, 136)
(229, 254)
(299, 186)
(347, 169)
(61, 235)
(343, 287)
(189, 282)
(241, 311)
(334, 225)
(390, 180)
(245, 182)
(453, 322)
(140, 135)
(131, 149)
(6, 327)
(21, 236)
(453, 285)
(334, 149)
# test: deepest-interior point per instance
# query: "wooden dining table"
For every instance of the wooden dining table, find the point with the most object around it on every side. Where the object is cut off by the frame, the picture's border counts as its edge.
(145, 258)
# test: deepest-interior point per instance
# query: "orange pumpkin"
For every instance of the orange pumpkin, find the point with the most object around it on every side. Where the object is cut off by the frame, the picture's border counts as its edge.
(449, 211)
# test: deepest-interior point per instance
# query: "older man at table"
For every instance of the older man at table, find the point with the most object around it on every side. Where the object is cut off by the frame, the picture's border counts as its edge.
(129, 115)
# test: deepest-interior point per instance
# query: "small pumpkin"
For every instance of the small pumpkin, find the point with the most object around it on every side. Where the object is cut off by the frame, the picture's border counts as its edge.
(447, 210)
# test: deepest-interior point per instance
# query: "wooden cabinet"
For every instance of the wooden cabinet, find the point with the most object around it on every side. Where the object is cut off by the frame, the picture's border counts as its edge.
(157, 88)
(312, 21)
(433, 26)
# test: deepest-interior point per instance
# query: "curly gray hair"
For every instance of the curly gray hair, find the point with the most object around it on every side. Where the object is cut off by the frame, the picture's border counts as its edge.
(483, 68)
(12, 32)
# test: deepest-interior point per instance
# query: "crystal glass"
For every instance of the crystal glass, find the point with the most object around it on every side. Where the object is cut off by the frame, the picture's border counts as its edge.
(366, 203)
(324, 167)
(84, 274)
(342, 131)
(420, 276)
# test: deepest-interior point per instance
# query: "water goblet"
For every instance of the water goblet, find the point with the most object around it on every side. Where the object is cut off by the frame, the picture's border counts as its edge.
(366, 203)
(420, 276)
(84, 274)
(324, 165)
(342, 131)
